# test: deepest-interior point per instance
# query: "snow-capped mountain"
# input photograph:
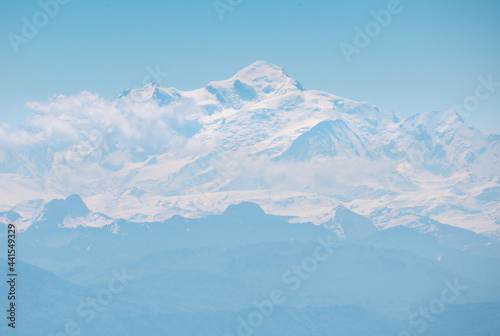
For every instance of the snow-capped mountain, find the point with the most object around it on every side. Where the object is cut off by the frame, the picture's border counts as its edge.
(259, 136)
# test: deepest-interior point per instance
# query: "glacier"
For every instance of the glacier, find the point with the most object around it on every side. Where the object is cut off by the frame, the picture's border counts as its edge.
(260, 136)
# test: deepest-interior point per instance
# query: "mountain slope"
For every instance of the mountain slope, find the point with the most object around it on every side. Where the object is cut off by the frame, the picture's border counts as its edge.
(259, 136)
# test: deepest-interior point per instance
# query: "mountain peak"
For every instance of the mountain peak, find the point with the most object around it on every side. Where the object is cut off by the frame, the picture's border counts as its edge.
(263, 73)
(261, 68)
(72, 203)
(328, 138)
(247, 210)
(254, 82)
(56, 210)
(353, 226)
(441, 117)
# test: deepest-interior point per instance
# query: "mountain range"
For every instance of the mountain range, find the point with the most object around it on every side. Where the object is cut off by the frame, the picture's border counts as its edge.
(167, 212)
(153, 153)
(202, 276)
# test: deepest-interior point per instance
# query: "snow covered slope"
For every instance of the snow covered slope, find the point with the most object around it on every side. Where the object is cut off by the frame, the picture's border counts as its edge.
(259, 136)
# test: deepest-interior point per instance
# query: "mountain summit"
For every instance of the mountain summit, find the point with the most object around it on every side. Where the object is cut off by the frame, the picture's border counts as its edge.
(264, 76)
(259, 81)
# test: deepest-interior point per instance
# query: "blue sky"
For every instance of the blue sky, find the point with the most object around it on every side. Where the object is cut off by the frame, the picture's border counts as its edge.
(429, 57)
